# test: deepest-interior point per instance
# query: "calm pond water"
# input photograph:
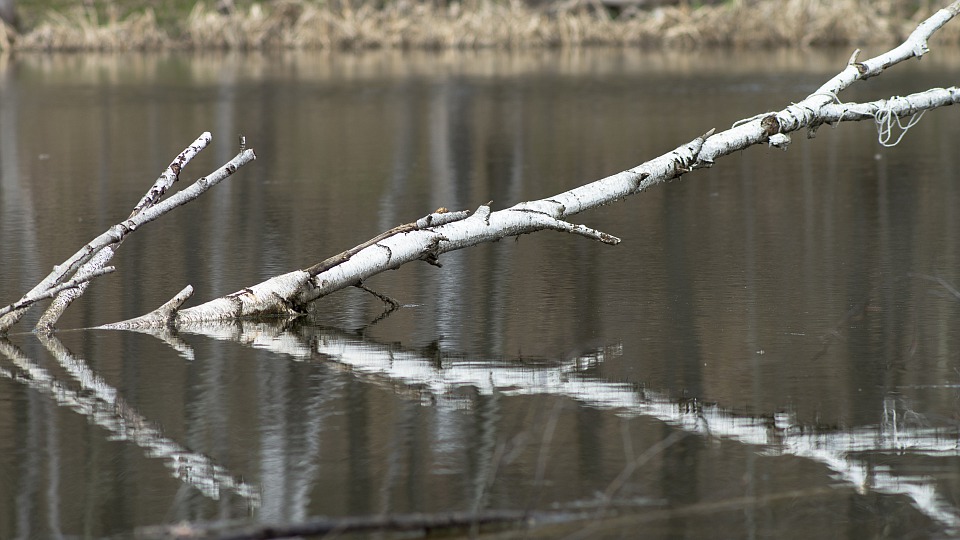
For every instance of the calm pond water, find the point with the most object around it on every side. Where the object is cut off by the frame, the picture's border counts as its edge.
(772, 351)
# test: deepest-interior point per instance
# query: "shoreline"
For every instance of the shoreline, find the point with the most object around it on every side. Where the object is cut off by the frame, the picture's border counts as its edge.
(479, 24)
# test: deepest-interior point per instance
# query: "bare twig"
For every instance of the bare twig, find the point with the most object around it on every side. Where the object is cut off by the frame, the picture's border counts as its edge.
(382, 297)
(942, 282)
(28, 300)
(635, 463)
(440, 217)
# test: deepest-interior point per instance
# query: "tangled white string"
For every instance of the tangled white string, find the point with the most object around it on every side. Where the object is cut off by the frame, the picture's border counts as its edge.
(886, 119)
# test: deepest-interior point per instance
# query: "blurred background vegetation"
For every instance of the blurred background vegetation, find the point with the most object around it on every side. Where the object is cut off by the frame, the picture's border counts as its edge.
(352, 24)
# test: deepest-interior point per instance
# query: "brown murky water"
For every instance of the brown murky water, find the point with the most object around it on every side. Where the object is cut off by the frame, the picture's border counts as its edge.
(771, 351)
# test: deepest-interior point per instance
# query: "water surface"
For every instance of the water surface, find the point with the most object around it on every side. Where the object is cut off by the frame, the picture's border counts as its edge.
(770, 350)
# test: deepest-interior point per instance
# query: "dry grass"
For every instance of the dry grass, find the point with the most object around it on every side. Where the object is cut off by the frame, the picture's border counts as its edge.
(82, 29)
(485, 23)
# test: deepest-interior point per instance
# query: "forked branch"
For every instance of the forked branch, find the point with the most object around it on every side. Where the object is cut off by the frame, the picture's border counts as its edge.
(87, 262)
(442, 231)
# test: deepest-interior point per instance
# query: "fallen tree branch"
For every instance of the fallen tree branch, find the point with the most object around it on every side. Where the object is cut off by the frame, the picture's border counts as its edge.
(288, 294)
(86, 262)
(443, 231)
(163, 315)
(167, 178)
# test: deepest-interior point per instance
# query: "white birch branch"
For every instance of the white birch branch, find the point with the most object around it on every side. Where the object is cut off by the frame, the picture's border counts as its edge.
(147, 210)
(167, 178)
(428, 238)
(172, 173)
(67, 297)
(159, 323)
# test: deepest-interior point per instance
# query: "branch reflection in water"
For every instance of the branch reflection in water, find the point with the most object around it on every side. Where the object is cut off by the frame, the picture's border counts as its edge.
(844, 451)
(102, 405)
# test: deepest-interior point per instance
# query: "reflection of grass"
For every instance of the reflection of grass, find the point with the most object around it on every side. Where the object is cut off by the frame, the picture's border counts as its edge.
(345, 24)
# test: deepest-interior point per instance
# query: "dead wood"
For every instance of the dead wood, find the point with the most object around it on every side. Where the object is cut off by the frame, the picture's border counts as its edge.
(443, 231)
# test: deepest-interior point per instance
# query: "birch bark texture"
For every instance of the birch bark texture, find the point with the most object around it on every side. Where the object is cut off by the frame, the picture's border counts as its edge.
(444, 231)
